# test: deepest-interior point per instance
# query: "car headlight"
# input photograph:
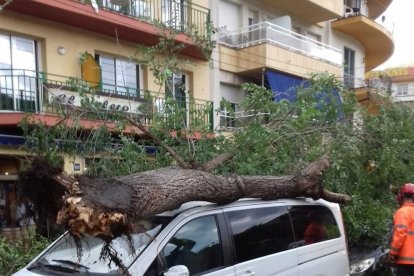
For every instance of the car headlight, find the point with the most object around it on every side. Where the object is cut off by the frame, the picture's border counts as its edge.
(361, 266)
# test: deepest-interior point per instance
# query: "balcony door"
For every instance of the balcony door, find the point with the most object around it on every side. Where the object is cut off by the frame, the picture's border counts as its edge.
(173, 14)
(349, 67)
(254, 30)
(18, 84)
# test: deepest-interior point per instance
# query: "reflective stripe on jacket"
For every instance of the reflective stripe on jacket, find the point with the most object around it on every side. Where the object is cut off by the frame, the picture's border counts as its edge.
(402, 245)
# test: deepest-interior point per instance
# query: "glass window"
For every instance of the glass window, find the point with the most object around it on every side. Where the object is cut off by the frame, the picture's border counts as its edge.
(119, 75)
(402, 89)
(173, 13)
(349, 67)
(196, 245)
(176, 86)
(260, 232)
(65, 251)
(313, 224)
(17, 73)
(5, 57)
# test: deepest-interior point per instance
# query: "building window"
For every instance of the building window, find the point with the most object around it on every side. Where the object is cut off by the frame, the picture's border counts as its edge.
(349, 67)
(119, 75)
(18, 84)
(402, 89)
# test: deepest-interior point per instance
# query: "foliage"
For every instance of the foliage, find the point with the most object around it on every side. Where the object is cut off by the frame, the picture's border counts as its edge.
(14, 256)
(369, 154)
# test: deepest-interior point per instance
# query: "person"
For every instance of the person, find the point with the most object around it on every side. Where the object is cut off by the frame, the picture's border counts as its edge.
(316, 230)
(402, 244)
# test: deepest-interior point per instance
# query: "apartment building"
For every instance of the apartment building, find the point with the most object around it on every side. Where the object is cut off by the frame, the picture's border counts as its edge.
(52, 49)
(278, 44)
(397, 81)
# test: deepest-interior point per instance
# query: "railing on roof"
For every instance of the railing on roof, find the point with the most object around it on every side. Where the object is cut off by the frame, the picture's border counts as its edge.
(30, 91)
(266, 32)
(181, 15)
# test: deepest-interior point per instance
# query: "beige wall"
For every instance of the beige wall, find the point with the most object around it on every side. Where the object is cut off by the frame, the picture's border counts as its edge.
(52, 35)
(69, 161)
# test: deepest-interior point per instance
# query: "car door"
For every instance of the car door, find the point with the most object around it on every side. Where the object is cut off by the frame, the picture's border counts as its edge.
(321, 246)
(197, 243)
(263, 241)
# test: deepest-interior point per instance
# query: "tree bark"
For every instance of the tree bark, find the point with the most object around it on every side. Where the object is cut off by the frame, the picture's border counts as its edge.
(110, 207)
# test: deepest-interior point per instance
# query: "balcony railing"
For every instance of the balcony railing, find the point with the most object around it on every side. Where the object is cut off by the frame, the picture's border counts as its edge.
(30, 91)
(177, 14)
(266, 32)
(235, 120)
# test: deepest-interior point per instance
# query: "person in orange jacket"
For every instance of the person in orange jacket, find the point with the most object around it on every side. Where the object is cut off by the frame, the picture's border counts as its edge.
(402, 244)
(315, 231)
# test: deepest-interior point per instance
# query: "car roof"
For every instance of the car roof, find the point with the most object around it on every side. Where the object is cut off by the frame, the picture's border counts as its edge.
(205, 205)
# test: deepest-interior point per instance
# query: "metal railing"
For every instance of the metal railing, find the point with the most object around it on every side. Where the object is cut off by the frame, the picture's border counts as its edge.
(181, 15)
(30, 91)
(354, 78)
(266, 32)
(239, 119)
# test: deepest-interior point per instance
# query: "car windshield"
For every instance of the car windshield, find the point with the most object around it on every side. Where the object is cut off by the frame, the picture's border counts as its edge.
(63, 255)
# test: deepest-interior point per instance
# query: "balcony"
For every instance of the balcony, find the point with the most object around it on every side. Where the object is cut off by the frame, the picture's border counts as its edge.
(314, 11)
(377, 7)
(266, 45)
(130, 20)
(23, 91)
(376, 39)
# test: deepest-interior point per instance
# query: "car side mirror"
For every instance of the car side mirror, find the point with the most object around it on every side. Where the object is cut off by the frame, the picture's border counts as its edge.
(177, 270)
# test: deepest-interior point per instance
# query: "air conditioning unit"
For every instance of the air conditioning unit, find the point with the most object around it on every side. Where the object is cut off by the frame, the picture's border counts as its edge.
(348, 12)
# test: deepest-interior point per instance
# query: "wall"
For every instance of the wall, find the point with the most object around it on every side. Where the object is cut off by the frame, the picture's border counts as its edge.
(52, 35)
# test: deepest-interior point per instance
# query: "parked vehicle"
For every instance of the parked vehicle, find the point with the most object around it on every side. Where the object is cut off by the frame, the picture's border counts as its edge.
(370, 262)
(246, 237)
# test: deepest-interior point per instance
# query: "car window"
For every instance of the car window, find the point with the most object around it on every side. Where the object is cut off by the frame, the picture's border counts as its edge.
(260, 232)
(66, 250)
(313, 224)
(196, 245)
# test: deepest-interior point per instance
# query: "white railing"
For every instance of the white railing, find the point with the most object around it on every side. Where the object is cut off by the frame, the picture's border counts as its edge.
(266, 32)
(238, 119)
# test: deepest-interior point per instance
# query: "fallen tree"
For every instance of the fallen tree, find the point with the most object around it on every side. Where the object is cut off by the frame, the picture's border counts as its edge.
(110, 207)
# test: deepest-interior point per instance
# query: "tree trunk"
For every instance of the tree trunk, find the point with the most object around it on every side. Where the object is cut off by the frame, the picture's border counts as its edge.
(110, 207)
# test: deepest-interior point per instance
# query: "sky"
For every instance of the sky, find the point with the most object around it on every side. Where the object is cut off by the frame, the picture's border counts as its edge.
(399, 20)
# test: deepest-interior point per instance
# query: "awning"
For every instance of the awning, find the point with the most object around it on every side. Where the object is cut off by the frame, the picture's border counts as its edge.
(11, 140)
(283, 85)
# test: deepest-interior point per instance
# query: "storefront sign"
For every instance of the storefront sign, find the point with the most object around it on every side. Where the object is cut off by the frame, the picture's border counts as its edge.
(108, 103)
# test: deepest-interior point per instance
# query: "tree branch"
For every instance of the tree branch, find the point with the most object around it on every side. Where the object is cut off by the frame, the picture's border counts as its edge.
(216, 162)
(156, 140)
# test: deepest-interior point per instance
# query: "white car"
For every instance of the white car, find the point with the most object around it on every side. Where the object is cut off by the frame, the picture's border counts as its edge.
(290, 237)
